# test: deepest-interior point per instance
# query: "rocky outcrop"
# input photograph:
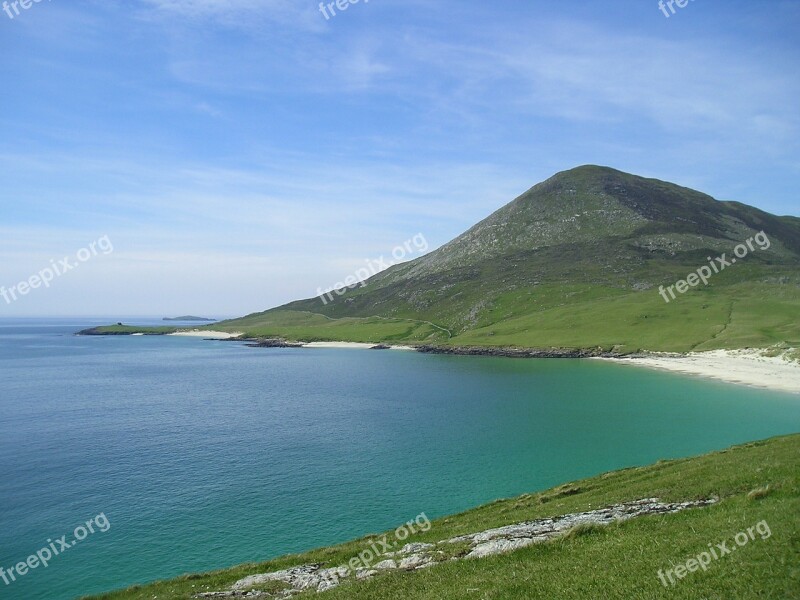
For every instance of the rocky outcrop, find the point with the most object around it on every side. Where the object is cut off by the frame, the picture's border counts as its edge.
(272, 343)
(522, 352)
(416, 556)
(511, 537)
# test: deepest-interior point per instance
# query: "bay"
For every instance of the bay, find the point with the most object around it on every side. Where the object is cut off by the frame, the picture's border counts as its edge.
(208, 454)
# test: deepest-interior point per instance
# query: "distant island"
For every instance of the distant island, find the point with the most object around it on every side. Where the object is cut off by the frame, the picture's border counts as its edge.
(190, 318)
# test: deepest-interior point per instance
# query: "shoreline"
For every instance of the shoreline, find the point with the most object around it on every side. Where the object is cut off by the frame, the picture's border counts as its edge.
(748, 367)
(509, 352)
(282, 343)
(743, 367)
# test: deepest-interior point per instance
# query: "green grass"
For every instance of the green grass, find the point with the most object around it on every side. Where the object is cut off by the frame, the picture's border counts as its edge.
(745, 315)
(727, 316)
(575, 316)
(131, 329)
(309, 327)
(755, 482)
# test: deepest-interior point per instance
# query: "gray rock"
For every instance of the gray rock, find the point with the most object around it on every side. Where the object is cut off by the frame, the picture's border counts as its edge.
(483, 543)
(414, 548)
(415, 561)
(365, 573)
(300, 578)
(501, 546)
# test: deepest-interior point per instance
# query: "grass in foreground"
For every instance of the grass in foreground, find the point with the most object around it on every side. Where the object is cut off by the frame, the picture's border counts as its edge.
(755, 482)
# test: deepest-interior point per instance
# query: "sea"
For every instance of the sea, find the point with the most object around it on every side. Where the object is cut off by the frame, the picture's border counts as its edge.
(137, 458)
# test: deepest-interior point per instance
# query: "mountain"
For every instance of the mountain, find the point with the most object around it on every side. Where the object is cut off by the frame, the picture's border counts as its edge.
(584, 259)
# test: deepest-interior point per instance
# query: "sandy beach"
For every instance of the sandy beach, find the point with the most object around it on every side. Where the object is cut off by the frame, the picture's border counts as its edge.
(746, 367)
(211, 335)
(350, 345)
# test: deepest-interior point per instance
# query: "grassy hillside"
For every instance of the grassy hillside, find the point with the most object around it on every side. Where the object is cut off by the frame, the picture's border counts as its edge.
(577, 261)
(308, 326)
(577, 316)
(755, 482)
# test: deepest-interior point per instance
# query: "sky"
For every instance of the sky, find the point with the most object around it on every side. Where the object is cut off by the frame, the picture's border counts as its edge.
(235, 155)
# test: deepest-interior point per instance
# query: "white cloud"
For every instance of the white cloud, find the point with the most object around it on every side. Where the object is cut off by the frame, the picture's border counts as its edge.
(580, 72)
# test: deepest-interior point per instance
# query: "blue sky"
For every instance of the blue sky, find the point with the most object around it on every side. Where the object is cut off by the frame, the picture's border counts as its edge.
(242, 154)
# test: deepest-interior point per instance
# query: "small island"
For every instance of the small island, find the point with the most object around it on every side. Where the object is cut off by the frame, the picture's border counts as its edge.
(190, 318)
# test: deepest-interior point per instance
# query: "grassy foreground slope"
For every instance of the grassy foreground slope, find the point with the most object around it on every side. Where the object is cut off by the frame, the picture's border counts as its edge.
(620, 561)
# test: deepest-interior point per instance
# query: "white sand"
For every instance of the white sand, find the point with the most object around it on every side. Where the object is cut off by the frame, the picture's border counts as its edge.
(351, 345)
(338, 345)
(746, 367)
(223, 335)
(214, 335)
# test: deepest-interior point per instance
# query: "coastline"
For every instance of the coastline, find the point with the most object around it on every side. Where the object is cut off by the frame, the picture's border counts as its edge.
(280, 343)
(748, 367)
(744, 367)
(506, 352)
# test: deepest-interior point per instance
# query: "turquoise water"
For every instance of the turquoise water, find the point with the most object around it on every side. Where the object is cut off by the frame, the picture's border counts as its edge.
(208, 454)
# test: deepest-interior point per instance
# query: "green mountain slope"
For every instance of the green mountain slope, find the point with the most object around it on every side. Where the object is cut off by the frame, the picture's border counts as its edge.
(576, 262)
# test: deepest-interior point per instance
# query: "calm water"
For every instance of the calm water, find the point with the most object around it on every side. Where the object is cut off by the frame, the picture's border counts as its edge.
(208, 454)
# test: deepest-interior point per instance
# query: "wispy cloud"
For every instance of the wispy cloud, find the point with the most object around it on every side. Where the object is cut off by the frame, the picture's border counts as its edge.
(244, 14)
